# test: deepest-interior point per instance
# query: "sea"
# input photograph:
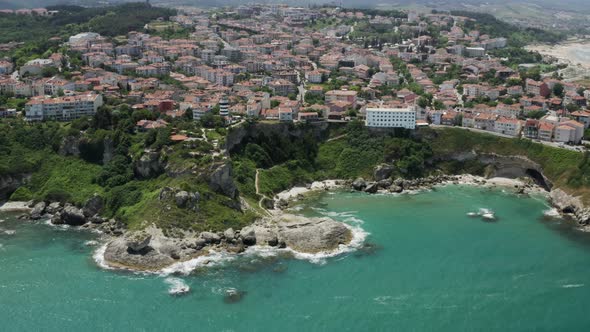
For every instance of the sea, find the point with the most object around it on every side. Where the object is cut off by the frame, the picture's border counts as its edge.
(429, 261)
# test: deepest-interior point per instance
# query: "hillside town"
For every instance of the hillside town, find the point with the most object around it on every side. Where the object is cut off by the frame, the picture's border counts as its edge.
(292, 64)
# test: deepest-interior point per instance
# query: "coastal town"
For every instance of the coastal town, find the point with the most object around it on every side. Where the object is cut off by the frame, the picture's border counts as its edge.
(276, 63)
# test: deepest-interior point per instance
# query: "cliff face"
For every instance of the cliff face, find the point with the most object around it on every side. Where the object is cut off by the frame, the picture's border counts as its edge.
(237, 135)
(9, 183)
(504, 166)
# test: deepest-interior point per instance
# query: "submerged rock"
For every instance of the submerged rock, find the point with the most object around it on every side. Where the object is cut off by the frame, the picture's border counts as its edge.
(233, 296)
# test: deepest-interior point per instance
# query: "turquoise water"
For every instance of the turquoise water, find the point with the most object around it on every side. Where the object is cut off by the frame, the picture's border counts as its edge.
(430, 267)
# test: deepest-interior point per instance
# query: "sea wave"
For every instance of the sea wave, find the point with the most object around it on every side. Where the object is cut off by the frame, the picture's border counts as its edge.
(212, 259)
(98, 257)
(176, 286)
(552, 212)
(572, 285)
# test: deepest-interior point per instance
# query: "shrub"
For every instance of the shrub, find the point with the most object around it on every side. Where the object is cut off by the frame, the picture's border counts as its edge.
(22, 194)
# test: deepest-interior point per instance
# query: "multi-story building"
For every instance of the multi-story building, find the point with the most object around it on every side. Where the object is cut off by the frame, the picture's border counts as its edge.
(391, 117)
(537, 88)
(546, 131)
(62, 108)
(508, 126)
(341, 95)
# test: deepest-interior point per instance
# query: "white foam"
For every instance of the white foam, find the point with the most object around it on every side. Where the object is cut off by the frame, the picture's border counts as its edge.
(177, 286)
(186, 267)
(572, 285)
(552, 212)
(99, 257)
(9, 232)
(90, 243)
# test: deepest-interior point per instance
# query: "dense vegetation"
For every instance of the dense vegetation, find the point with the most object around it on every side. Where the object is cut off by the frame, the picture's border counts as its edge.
(108, 21)
(108, 151)
(517, 37)
(36, 32)
(289, 161)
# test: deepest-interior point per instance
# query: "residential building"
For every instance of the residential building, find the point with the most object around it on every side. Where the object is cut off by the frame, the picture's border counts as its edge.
(531, 128)
(62, 108)
(391, 117)
(546, 131)
(508, 126)
(341, 95)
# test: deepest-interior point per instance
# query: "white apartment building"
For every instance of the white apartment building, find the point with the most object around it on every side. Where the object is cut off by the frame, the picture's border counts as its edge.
(391, 117)
(62, 108)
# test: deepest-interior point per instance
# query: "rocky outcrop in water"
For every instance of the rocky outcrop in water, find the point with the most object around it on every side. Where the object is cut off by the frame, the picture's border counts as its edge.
(152, 250)
(570, 205)
(306, 235)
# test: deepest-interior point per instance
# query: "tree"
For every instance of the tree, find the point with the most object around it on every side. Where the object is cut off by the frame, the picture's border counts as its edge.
(423, 102)
(103, 118)
(558, 90)
(572, 107)
(438, 105)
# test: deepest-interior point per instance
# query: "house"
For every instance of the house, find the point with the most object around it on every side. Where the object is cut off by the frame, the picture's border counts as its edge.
(286, 114)
(582, 117)
(485, 121)
(468, 120)
(449, 118)
(569, 132)
(515, 90)
(537, 88)
(315, 76)
(143, 125)
(7, 112)
(6, 67)
(546, 131)
(531, 128)
(282, 87)
(341, 95)
(508, 126)
(307, 116)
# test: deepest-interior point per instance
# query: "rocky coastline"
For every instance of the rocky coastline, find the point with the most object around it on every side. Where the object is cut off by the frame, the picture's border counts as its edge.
(150, 250)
